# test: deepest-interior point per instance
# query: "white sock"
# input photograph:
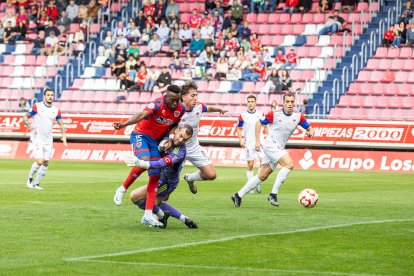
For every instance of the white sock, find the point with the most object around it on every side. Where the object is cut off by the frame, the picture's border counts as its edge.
(251, 184)
(33, 170)
(280, 178)
(249, 175)
(148, 213)
(195, 176)
(42, 171)
(183, 218)
(160, 214)
(122, 188)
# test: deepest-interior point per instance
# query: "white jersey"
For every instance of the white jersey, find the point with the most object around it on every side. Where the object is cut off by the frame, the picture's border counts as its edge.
(43, 120)
(192, 118)
(248, 120)
(281, 126)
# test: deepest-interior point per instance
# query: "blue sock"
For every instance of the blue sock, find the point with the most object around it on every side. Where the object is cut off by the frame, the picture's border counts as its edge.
(141, 204)
(167, 207)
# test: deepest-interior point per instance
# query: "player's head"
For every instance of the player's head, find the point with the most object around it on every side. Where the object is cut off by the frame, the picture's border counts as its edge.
(288, 103)
(251, 103)
(189, 94)
(48, 95)
(172, 96)
(182, 134)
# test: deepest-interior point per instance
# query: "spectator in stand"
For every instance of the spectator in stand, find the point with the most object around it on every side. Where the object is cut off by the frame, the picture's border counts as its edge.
(63, 22)
(129, 80)
(272, 83)
(175, 45)
(140, 79)
(403, 28)
(267, 57)
(207, 34)
(93, 10)
(216, 19)
(160, 9)
(258, 70)
(231, 43)
(245, 44)
(286, 81)
(389, 36)
(154, 46)
(22, 17)
(291, 6)
(51, 44)
(270, 6)
(149, 8)
(205, 59)
(106, 47)
(197, 45)
(163, 32)
(325, 5)
(407, 12)
(188, 61)
(164, 79)
(219, 46)
(52, 11)
(255, 44)
(151, 79)
(118, 67)
(397, 38)
(218, 9)
(38, 43)
(121, 45)
(133, 50)
(82, 13)
(51, 28)
(333, 24)
(237, 11)
(9, 18)
(195, 21)
(72, 11)
(304, 6)
(173, 21)
(291, 58)
(233, 29)
(257, 4)
(140, 21)
(273, 107)
(280, 60)
(34, 10)
(120, 29)
(62, 45)
(348, 5)
(304, 108)
(245, 31)
(222, 68)
(175, 29)
(410, 35)
(9, 35)
(24, 105)
(2, 29)
(172, 7)
(131, 62)
(176, 64)
(133, 32)
(210, 5)
(185, 34)
(20, 31)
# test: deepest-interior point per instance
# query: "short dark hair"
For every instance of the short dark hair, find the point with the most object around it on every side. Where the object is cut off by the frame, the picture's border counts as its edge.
(252, 97)
(174, 89)
(47, 89)
(189, 85)
(188, 129)
(288, 95)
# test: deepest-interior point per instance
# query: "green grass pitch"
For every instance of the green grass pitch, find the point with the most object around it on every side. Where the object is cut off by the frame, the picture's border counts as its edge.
(363, 225)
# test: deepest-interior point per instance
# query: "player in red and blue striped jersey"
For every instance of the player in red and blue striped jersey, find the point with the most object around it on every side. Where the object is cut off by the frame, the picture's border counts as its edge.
(159, 116)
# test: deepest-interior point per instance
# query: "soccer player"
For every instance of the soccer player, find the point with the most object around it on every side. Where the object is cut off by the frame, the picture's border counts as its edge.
(281, 126)
(44, 116)
(195, 153)
(152, 124)
(170, 164)
(246, 127)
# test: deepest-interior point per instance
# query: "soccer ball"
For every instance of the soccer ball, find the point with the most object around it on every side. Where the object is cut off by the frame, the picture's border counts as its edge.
(308, 198)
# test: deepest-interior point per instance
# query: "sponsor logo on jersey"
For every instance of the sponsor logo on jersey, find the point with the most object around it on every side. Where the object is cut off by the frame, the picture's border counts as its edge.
(151, 105)
(138, 144)
(165, 121)
(176, 113)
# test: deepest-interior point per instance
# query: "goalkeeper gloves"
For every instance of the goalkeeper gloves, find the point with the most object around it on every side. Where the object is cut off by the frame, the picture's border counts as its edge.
(133, 161)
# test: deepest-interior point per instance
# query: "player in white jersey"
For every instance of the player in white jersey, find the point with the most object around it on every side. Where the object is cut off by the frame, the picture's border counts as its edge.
(195, 153)
(281, 126)
(246, 131)
(44, 117)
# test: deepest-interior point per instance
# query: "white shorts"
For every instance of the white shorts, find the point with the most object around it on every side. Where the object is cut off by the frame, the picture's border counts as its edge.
(197, 156)
(272, 154)
(251, 154)
(42, 150)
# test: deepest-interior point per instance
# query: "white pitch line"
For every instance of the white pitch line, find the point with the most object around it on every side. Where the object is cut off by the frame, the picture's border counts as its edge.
(152, 249)
(252, 269)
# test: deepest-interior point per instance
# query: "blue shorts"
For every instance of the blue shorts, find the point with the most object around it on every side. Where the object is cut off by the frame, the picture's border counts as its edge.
(145, 146)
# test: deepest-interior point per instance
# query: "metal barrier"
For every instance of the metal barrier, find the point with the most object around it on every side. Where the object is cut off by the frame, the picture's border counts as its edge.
(70, 70)
(381, 29)
(335, 90)
(372, 43)
(345, 40)
(92, 52)
(316, 111)
(81, 63)
(58, 88)
(113, 25)
(345, 78)
(398, 8)
(354, 67)
(390, 17)
(124, 15)
(364, 54)
(325, 102)
(101, 36)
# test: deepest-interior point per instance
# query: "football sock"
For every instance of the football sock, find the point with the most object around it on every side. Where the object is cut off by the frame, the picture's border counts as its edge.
(152, 191)
(42, 171)
(158, 212)
(183, 218)
(132, 176)
(249, 174)
(174, 212)
(195, 176)
(33, 170)
(251, 184)
(280, 178)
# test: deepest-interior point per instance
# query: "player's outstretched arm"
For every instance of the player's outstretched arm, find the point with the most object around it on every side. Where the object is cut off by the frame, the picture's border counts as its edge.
(133, 120)
(63, 131)
(310, 132)
(216, 109)
(169, 160)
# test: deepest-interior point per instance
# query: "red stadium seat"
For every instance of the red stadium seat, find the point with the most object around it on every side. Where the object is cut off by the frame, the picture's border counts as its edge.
(263, 29)
(307, 18)
(405, 90)
(266, 40)
(393, 53)
(405, 52)
(383, 101)
(387, 114)
(262, 18)
(303, 52)
(298, 29)
(370, 101)
(381, 52)
(213, 86)
(296, 18)
(397, 64)
(408, 64)
(408, 102)
(144, 97)
(378, 89)
(262, 99)
(314, 52)
(410, 77)
(375, 76)
(366, 89)
(251, 18)
(395, 102)
(311, 40)
(391, 90)
(401, 76)
(273, 18)
(215, 99)
(354, 88)
(248, 87)
(78, 106)
(287, 29)
(362, 6)
(345, 101)
(400, 114)
(384, 64)
(284, 18)
(363, 76)
(372, 64)
(373, 114)
(318, 18)
(356, 101)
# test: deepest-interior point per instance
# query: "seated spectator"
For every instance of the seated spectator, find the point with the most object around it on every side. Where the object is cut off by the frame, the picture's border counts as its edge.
(286, 81)
(348, 5)
(120, 29)
(118, 67)
(79, 46)
(176, 63)
(24, 105)
(403, 28)
(197, 45)
(172, 20)
(106, 47)
(72, 11)
(232, 58)
(272, 83)
(51, 28)
(207, 34)
(140, 20)
(20, 31)
(245, 44)
(210, 5)
(51, 44)
(2, 29)
(133, 32)
(237, 11)
(63, 45)
(147, 33)
(304, 108)
(255, 44)
(258, 70)
(257, 4)
(93, 10)
(291, 60)
(216, 19)
(131, 62)
(205, 59)
(291, 6)
(154, 46)
(222, 68)
(164, 79)
(333, 24)
(140, 79)
(407, 12)
(410, 35)
(52, 11)
(63, 22)
(129, 80)
(171, 7)
(160, 8)
(234, 73)
(163, 32)
(274, 107)
(397, 37)
(305, 6)
(233, 29)
(149, 8)
(231, 43)
(389, 36)
(10, 18)
(280, 60)
(133, 50)
(245, 31)
(185, 34)
(121, 45)
(38, 43)
(82, 13)
(188, 61)
(22, 17)
(195, 21)
(34, 10)
(175, 45)
(152, 77)
(325, 5)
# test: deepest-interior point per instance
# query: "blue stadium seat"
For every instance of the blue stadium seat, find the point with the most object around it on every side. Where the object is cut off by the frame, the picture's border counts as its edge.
(236, 87)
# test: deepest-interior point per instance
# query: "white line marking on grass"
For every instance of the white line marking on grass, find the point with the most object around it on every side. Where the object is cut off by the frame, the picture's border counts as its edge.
(251, 269)
(152, 249)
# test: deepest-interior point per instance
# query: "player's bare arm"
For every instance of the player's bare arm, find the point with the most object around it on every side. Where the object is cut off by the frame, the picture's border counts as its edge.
(257, 134)
(216, 109)
(310, 132)
(240, 134)
(133, 120)
(27, 123)
(63, 131)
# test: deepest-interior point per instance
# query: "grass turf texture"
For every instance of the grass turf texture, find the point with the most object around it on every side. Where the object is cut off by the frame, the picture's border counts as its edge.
(363, 224)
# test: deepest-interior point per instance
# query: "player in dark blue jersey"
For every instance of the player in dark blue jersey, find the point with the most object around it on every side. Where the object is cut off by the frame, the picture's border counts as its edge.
(170, 165)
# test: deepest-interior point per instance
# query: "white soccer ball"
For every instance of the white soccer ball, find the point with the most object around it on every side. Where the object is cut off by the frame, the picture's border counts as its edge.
(308, 198)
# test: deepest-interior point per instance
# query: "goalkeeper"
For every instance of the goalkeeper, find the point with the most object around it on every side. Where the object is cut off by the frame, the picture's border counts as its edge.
(170, 164)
